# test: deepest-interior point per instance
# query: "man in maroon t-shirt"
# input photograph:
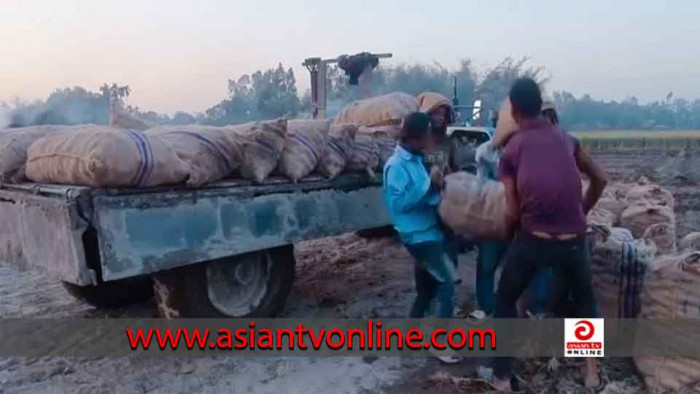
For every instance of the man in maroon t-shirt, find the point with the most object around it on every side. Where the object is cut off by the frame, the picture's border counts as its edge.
(540, 168)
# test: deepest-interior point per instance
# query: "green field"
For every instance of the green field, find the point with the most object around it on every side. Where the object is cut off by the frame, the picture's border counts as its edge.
(635, 140)
(622, 134)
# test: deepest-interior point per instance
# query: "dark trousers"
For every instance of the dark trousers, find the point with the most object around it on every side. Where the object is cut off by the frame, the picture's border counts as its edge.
(528, 254)
(435, 276)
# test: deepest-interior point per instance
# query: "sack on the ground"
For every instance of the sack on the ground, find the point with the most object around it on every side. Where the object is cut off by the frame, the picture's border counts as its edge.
(618, 266)
(206, 150)
(638, 218)
(13, 149)
(365, 154)
(601, 217)
(690, 242)
(474, 207)
(103, 156)
(305, 146)
(614, 206)
(385, 110)
(262, 144)
(672, 291)
(651, 194)
(664, 237)
(340, 142)
(505, 126)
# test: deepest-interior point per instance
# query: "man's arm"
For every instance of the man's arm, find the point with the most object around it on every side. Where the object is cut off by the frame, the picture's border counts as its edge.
(597, 176)
(404, 194)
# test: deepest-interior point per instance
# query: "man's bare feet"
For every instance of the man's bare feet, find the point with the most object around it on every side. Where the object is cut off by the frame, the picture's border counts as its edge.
(591, 379)
(501, 385)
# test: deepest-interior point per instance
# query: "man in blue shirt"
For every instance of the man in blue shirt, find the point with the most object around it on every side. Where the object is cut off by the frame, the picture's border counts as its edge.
(412, 196)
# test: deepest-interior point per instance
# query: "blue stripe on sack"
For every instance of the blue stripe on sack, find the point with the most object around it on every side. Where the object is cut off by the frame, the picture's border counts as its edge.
(334, 145)
(264, 144)
(144, 156)
(210, 145)
(305, 143)
(151, 159)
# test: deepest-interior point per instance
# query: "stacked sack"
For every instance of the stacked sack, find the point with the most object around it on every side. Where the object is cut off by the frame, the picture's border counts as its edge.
(381, 113)
(103, 156)
(619, 264)
(633, 223)
(13, 149)
(650, 214)
(671, 291)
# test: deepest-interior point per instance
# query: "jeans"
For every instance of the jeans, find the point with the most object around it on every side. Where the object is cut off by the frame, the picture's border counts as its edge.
(527, 254)
(490, 255)
(435, 276)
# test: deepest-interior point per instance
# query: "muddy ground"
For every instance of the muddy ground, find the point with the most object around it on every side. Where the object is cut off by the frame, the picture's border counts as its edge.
(343, 276)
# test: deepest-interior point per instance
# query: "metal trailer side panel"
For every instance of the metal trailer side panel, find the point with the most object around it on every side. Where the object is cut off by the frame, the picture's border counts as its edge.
(140, 234)
(44, 233)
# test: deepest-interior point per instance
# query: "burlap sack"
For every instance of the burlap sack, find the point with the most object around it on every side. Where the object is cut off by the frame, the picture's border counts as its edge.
(506, 125)
(618, 266)
(340, 142)
(651, 194)
(102, 156)
(262, 144)
(391, 131)
(206, 150)
(474, 207)
(385, 145)
(305, 146)
(388, 109)
(690, 242)
(672, 290)
(601, 217)
(13, 149)
(614, 206)
(664, 237)
(638, 218)
(365, 154)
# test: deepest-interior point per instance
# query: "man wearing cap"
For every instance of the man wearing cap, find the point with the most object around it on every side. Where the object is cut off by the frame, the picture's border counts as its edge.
(440, 159)
(412, 196)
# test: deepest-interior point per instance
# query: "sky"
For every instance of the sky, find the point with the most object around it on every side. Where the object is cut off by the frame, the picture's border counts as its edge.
(179, 55)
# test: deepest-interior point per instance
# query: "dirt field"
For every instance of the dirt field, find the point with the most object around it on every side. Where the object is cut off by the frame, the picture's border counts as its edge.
(343, 276)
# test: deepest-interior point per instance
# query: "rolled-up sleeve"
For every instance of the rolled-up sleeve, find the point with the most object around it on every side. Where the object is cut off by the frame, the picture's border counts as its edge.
(403, 194)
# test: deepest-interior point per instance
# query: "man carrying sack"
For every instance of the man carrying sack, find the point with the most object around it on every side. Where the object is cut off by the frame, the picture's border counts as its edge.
(412, 196)
(540, 169)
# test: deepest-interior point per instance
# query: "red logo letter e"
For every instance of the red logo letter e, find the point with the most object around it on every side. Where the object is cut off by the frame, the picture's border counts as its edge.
(585, 331)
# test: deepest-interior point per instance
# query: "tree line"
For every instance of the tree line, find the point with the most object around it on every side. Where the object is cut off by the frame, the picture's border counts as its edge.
(273, 93)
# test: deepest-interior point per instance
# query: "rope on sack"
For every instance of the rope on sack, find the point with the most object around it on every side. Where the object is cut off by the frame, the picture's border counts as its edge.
(211, 146)
(146, 165)
(333, 144)
(305, 143)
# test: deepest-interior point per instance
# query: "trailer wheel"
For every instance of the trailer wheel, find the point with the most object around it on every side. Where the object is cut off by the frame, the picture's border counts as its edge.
(113, 294)
(251, 285)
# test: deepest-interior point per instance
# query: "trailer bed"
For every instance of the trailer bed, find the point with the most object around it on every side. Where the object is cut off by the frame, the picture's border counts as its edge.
(80, 234)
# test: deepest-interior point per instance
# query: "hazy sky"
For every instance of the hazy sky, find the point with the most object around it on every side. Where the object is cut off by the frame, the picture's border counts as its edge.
(179, 54)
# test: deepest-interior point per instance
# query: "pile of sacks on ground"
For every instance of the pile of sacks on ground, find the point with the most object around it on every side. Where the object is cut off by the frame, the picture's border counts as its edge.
(639, 269)
(130, 153)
